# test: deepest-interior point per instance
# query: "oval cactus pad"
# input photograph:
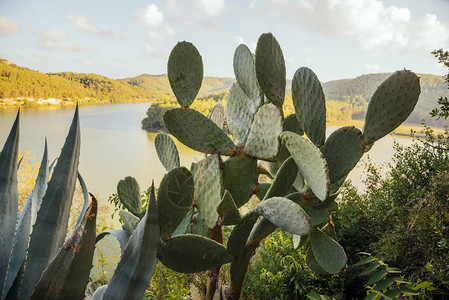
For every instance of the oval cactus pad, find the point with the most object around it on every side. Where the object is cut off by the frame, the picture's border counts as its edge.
(285, 214)
(391, 104)
(328, 253)
(245, 71)
(263, 137)
(240, 111)
(166, 151)
(128, 191)
(218, 115)
(310, 106)
(185, 72)
(310, 161)
(342, 150)
(191, 253)
(270, 68)
(197, 131)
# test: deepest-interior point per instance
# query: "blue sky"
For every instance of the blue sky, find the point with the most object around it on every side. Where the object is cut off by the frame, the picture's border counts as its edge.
(336, 38)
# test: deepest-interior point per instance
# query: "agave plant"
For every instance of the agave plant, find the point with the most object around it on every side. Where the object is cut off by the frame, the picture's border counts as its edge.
(35, 262)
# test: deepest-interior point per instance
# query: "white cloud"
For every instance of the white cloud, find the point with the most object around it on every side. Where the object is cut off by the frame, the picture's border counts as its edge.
(81, 23)
(150, 51)
(373, 67)
(56, 39)
(239, 40)
(152, 18)
(369, 23)
(171, 4)
(7, 26)
(211, 7)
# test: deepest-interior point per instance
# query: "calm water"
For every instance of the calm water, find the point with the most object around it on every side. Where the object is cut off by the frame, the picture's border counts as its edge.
(114, 146)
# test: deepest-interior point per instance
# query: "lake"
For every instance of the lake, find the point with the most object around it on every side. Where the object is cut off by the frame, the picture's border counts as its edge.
(113, 146)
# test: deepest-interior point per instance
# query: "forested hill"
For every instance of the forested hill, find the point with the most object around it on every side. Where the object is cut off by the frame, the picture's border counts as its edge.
(24, 86)
(210, 85)
(360, 89)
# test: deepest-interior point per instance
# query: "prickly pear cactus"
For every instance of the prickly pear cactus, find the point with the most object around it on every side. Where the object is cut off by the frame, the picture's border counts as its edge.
(307, 175)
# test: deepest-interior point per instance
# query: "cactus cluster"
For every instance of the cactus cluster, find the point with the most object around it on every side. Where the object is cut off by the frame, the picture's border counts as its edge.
(308, 170)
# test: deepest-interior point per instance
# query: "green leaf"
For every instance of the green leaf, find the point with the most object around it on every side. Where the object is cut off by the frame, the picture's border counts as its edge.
(191, 253)
(409, 291)
(263, 140)
(371, 268)
(73, 260)
(197, 131)
(393, 270)
(393, 293)
(185, 72)
(310, 106)
(8, 197)
(384, 284)
(50, 228)
(270, 68)
(379, 275)
(174, 198)
(327, 252)
(128, 191)
(365, 260)
(166, 151)
(310, 161)
(285, 214)
(137, 264)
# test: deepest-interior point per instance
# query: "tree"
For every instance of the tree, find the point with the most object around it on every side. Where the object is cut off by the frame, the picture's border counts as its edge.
(443, 110)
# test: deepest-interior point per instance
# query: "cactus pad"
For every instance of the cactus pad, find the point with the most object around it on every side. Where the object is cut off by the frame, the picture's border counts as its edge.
(310, 106)
(208, 188)
(228, 211)
(129, 193)
(318, 212)
(192, 253)
(218, 115)
(310, 161)
(197, 131)
(240, 110)
(300, 240)
(245, 71)
(240, 177)
(185, 72)
(270, 68)
(391, 104)
(239, 235)
(285, 214)
(166, 151)
(263, 140)
(130, 221)
(283, 180)
(174, 198)
(342, 150)
(185, 223)
(313, 264)
(328, 253)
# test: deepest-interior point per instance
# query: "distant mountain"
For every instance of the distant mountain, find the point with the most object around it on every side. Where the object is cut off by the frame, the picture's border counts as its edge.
(362, 87)
(160, 83)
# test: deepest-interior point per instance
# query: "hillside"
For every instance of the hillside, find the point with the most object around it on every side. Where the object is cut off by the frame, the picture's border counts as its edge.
(23, 86)
(210, 85)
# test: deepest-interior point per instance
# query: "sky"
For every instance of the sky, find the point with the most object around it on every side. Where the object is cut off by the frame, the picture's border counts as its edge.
(116, 38)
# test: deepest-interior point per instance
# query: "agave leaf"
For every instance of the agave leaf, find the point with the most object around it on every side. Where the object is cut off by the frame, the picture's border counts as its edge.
(86, 199)
(136, 267)
(26, 221)
(50, 228)
(121, 235)
(99, 293)
(73, 261)
(8, 197)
